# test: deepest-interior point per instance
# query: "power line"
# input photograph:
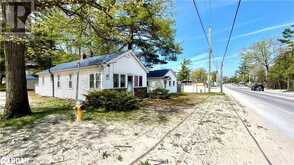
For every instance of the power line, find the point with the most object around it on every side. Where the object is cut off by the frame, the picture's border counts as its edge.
(201, 22)
(228, 42)
(233, 26)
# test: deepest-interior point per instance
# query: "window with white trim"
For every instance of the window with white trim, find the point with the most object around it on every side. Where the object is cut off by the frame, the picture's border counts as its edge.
(58, 81)
(138, 81)
(70, 81)
(174, 83)
(115, 80)
(169, 83)
(122, 80)
(43, 80)
(98, 80)
(91, 81)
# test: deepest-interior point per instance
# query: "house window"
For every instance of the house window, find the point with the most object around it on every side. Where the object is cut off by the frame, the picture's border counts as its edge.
(115, 80)
(122, 81)
(91, 80)
(169, 83)
(140, 81)
(58, 81)
(136, 81)
(98, 80)
(70, 81)
(164, 83)
(43, 80)
(174, 83)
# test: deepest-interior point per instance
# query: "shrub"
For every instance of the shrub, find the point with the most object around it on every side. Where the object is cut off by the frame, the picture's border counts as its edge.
(160, 93)
(94, 99)
(112, 100)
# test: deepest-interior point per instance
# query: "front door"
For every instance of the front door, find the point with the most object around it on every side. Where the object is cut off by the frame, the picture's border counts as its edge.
(130, 84)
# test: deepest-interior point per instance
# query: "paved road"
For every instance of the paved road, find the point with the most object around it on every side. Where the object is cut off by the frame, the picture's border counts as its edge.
(276, 108)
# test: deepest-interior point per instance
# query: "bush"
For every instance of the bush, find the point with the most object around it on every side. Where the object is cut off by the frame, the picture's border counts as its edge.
(160, 93)
(112, 100)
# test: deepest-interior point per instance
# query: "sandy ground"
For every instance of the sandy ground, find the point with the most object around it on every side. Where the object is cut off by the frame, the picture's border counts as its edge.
(212, 134)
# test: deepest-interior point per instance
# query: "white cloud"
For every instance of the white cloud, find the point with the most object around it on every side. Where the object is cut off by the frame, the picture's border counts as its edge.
(263, 30)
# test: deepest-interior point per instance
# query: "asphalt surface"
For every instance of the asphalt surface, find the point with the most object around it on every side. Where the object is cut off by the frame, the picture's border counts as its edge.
(276, 108)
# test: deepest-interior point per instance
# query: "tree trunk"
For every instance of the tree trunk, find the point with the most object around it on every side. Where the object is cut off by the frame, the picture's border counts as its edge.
(17, 103)
(288, 83)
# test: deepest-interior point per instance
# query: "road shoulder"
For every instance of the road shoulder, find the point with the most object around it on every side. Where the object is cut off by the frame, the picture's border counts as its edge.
(278, 148)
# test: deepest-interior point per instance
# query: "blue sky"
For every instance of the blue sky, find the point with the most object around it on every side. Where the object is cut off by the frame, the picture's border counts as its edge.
(257, 20)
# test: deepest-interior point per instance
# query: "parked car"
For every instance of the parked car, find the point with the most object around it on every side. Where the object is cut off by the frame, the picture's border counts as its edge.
(257, 87)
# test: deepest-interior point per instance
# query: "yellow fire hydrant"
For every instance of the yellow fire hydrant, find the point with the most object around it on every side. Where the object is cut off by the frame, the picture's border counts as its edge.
(78, 112)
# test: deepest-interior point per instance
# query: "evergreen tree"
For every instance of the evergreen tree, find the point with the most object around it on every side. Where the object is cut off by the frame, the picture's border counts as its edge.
(185, 73)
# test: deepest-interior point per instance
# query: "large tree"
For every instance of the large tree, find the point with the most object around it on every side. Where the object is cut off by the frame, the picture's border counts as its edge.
(141, 25)
(286, 57)
(264, 52)
(17, 103)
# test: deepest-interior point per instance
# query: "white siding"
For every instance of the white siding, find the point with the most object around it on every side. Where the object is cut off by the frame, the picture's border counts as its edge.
(155, 83)
(126, 64)
(172, 88)
(44, 87)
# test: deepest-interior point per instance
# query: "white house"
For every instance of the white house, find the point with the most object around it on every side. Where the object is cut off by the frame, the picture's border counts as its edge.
(122, 71)
(165, 78)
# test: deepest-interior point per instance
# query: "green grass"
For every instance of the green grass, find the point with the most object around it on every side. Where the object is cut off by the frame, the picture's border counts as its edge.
(40, 110)
(43, 106)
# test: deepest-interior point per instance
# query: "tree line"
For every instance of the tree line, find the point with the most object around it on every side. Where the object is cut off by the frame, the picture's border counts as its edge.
(270, 62)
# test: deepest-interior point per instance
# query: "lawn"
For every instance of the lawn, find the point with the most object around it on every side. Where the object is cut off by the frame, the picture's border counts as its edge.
(151, 110)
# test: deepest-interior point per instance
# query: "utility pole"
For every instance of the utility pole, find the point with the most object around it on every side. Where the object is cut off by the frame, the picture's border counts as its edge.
(209, 58)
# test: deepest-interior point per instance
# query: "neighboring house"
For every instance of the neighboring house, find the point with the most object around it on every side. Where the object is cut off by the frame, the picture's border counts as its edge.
(164, 78)
(121, 71)
(193, 87)
(31, 82)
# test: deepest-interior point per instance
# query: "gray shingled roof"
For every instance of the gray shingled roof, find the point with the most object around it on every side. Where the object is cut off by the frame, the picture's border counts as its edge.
(158, 73)
(83, 63)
